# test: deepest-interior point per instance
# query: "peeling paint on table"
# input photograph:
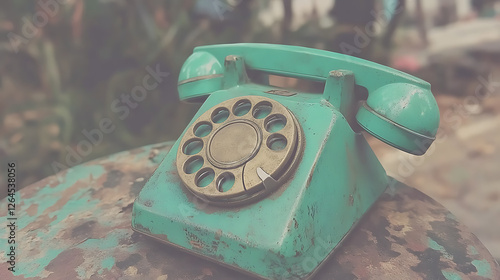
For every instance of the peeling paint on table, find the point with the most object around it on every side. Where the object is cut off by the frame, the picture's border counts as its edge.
(79, 228)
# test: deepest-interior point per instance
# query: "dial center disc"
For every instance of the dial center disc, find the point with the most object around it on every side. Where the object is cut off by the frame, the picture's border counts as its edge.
(234, 144)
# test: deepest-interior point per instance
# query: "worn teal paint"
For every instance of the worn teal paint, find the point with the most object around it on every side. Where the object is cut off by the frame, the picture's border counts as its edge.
(472, 250)
(451, 275)
(35, 269)
(337, 180)
(80, 201)
(483, 268)
(45, 198)
(434, 245)
(108, 242)
(48, 196)
(107, 263)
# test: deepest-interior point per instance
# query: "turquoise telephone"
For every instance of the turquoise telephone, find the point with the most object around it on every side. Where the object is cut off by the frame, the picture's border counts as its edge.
(264, 177)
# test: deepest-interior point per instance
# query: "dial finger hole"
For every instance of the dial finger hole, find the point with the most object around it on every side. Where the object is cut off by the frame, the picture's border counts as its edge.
(202, 129)
(276, 142)
(242, 107)
(225, 182)
(204, 177)
(193, 164)
(262, 110)
(220, 115)
(192, 147)
(275, 123)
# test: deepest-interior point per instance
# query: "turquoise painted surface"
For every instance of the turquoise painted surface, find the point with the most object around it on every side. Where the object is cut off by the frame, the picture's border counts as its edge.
(451, 275)
(48, 196)
(434, 245)
(72, 193)
(27, 269)
(483, 268)
(107, 263)
(45, 198)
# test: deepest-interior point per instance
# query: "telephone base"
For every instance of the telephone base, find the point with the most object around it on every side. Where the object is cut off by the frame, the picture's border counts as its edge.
(289, 233)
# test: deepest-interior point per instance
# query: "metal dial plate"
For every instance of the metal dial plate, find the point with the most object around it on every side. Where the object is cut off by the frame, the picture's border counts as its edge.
(226, 155)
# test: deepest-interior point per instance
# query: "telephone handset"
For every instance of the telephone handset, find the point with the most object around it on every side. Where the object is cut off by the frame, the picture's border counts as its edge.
(400, 109)
(260, 172)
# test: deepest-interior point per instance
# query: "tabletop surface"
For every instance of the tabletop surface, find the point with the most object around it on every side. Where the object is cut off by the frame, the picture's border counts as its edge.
(76, 225)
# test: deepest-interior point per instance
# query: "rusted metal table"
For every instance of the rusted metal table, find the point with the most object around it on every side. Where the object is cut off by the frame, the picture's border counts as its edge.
(79, 228)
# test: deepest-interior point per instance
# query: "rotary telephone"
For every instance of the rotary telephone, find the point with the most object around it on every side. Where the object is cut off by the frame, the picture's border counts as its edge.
(264, 177)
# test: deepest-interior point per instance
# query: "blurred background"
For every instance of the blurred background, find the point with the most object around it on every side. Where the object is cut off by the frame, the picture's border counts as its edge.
(67, 65)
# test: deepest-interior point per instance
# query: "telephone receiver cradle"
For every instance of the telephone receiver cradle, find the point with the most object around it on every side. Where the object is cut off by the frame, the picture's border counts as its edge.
(262, 178)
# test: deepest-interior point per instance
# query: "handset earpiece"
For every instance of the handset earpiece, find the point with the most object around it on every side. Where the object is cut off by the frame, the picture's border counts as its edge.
(402, 115)
(200, 75)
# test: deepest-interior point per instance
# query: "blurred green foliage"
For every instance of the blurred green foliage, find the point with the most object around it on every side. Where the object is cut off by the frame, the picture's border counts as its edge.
(59, 76)
(63, 65)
